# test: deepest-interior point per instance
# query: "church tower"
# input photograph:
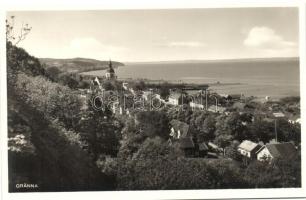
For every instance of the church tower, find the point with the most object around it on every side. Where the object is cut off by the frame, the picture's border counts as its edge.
(110, 72)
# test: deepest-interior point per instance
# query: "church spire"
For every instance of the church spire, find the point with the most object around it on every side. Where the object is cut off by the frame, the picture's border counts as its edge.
(110, 64)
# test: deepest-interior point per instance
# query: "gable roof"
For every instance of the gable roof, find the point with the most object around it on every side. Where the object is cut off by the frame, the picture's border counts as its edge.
(180, 126)
(248, 145)
(203, 146)
(281, 150)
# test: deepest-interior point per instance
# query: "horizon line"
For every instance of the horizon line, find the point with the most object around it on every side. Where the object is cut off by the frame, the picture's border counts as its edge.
(179, 60)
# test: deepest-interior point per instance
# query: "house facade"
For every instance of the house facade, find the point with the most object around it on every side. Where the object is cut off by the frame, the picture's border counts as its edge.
(174, 99)
(196, 105)
(248, 149)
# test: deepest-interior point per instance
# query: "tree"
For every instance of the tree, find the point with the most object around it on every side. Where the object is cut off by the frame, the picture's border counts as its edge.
(10, 33)
(57, 156)
(261, 175)
(156, 147)
(68, 80)
(278, 173)
(153, 123)
(262, 131)
(55, 100)
(223, 140)
(235, 125)
(208, 128)
(160, 173)
(100, 131)
(231, 151)
(164, 90)
(53, 73)
(287, 132)
(141, 85)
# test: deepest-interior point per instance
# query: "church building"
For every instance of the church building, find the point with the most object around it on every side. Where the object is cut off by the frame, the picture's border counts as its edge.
(110, 72)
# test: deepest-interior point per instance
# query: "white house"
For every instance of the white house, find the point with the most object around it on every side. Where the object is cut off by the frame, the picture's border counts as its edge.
(196, 105)
(174, 99)
(216, 109)
(298, 120)
(146, 95)
(132, 91)
(279, 114)
(294, 120)
(248, 148)
(97, 81)
(84, 101)
(224, 95)
(125, 85)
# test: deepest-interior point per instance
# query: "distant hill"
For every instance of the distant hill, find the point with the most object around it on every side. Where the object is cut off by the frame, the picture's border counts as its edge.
(77, 65)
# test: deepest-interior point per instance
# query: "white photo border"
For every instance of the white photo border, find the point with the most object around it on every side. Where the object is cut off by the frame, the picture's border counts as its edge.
(157, 4)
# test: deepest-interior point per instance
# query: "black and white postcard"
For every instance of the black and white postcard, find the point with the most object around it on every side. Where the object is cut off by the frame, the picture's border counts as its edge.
(177, 102)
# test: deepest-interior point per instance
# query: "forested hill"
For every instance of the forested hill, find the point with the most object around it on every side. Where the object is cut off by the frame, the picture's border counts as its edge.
(77, 64)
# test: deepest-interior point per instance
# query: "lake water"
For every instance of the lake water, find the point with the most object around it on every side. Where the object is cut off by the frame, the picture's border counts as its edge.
(258, 78)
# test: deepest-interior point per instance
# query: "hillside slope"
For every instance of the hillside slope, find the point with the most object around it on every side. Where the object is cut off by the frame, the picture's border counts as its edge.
(76, 65)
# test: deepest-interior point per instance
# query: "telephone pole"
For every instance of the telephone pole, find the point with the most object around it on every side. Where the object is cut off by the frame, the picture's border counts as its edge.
(275, 129)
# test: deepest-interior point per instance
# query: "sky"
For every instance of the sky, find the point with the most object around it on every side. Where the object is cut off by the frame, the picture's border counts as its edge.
(162, 35)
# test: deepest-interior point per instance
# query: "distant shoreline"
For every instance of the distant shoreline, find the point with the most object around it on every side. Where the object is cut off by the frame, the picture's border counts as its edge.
(273, 59)
(276, 78)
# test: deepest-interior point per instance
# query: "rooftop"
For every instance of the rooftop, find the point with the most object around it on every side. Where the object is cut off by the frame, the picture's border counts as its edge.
(278, 114)
(282, 150)
(186, 143)
(175, 95)
(248, 145)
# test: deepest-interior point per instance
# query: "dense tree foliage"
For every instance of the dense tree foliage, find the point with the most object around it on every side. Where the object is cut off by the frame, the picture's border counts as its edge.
(44, 148)
(278, 174)
(153, 123)
(100, 131)
(157, 165)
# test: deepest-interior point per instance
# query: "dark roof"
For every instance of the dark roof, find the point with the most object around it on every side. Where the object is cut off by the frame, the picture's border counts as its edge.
(186, 143)
(180, 126)
(282, 150)
(203, 146)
